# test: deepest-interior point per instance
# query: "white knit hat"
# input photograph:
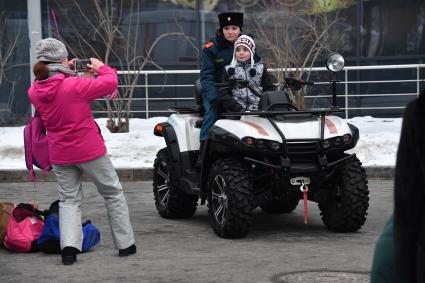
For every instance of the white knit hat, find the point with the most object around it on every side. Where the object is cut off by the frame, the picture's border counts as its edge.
(249, 43)
(50, 50)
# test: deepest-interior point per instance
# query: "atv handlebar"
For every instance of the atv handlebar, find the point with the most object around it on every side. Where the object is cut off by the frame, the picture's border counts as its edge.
(239, 83)
(296, 84)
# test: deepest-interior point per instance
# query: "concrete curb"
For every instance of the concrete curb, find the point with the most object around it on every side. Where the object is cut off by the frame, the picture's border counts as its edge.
(20, 175)
(145, 174)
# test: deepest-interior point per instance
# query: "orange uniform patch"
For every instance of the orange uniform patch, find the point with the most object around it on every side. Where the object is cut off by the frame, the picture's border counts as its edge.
(209, 44)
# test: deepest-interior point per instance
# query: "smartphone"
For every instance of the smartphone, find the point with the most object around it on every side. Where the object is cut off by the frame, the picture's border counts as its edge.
(81, 65)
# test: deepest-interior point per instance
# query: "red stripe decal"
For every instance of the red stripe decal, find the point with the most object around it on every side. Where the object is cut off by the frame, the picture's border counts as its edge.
(260, 130)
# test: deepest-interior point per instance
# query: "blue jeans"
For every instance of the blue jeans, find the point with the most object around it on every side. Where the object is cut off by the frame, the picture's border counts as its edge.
(210, 117)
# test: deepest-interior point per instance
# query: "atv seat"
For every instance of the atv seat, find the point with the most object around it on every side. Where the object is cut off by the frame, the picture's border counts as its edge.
(276, 101)
(198, 108)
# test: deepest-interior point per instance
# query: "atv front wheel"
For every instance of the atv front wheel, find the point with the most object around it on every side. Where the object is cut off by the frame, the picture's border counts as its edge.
(169, 200)
(230, 200)
(344, 207)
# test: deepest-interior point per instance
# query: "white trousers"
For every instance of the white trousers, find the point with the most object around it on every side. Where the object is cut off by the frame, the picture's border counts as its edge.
(103, 174)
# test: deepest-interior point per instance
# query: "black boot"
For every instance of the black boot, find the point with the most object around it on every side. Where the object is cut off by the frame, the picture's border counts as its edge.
(128, 251)
(198, 163)
(69, 255)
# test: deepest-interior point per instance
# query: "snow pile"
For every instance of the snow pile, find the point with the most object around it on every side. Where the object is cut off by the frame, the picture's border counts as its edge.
(137, 149)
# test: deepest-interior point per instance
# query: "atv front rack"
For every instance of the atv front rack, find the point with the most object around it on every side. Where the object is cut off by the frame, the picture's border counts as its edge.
(323, 112)
(319, 148)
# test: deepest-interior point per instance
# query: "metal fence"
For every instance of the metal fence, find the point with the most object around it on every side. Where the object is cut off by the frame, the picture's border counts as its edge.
(362, 89)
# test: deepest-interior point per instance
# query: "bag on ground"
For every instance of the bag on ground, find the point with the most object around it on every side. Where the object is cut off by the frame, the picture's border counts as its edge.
(49, 241)
(24, 228)
(5, 211)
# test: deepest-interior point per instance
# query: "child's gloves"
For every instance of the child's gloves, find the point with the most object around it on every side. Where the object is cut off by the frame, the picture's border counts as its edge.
(226, 103)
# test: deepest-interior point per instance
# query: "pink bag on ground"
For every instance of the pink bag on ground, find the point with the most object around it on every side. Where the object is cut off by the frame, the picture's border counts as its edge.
(36, 146)
(24, 228)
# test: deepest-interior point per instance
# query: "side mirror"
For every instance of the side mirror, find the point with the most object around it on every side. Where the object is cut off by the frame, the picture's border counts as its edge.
(334, 63)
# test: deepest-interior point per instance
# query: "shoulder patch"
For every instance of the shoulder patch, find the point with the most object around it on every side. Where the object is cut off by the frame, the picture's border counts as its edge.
(208, 44)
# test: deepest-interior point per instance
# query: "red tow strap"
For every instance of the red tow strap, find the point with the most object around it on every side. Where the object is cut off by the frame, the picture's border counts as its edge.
(305, 191)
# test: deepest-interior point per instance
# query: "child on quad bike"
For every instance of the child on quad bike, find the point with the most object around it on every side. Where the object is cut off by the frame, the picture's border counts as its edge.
(243, 67)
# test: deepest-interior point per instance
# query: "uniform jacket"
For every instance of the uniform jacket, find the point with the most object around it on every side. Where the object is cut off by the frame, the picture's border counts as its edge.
(262, 81)
(409, 194)
(216, 54)
(64, 106)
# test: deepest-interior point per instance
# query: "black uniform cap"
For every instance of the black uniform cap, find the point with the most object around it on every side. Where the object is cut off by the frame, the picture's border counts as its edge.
(230, 19)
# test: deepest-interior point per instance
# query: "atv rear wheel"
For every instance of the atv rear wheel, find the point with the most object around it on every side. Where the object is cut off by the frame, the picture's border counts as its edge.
(230, 200)
(344, 207)
(281, 204)
(169, 200)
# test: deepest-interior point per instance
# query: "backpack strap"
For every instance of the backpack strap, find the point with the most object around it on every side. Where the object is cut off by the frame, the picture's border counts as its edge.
(28, 150)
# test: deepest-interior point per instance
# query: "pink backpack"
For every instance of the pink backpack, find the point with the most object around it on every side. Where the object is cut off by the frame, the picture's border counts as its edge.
(36, 146)
(24, 228)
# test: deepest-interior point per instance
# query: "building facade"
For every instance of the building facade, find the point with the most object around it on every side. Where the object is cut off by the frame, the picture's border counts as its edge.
(169, 35)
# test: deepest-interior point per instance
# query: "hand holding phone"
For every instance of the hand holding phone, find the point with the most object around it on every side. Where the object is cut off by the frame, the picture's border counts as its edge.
(95, 64)
(81, 65)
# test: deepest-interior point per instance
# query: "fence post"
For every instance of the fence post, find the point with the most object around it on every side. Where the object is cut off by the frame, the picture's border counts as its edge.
(417, 80)
(34, 32)
(346, 94)
(147, 96)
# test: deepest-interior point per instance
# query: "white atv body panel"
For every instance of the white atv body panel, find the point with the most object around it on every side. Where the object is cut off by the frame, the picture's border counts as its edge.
(256, 127)
(260, 128)
(187, 134)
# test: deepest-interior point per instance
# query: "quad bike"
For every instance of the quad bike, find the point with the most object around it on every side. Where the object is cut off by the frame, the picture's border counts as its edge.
(271, 158)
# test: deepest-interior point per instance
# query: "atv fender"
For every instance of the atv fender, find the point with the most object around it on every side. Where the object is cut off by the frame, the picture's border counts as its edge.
(169, 134)
(206, 160)
(179, 161)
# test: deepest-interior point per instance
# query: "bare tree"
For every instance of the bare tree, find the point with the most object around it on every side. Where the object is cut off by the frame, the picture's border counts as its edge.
(8, 46)
(111, 32)
(294, 34)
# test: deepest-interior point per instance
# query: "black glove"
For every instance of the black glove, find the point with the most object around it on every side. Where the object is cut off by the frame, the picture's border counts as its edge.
(293, 83)
(226, 103)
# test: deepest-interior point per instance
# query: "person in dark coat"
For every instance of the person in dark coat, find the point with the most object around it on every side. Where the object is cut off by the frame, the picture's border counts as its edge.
(216, 54)
(383, 265)
(409, 194)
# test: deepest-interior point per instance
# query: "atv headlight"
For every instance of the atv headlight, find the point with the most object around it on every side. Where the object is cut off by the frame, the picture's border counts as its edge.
(335, 62)
(248, 140)
(327, 144)
(275, 146)
(337, 141)
(261, 144)
(346, 138)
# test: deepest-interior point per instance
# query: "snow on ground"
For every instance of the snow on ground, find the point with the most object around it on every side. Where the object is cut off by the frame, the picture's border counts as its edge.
(378, 141)
(137, 149)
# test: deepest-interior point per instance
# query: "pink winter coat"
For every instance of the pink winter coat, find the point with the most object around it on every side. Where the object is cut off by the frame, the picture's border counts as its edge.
(64, 106)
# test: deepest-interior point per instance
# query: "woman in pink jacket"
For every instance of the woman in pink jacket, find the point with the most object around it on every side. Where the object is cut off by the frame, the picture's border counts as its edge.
(76, 145)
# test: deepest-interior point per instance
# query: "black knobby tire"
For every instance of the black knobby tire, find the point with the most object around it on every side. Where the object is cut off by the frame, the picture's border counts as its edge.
(344, 209)
(281, 204)
(230, 187)
(169, 200)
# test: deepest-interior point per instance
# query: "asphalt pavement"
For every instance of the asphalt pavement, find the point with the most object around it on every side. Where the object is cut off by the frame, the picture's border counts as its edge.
(279, 248)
